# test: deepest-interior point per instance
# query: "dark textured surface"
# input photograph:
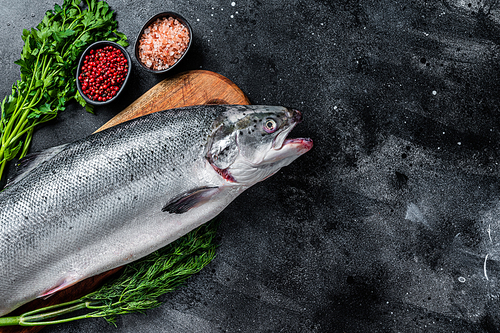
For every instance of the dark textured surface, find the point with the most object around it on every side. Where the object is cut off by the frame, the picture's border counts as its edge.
(391, 223)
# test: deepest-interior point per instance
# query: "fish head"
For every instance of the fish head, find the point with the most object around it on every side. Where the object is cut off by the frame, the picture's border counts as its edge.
(250, 143)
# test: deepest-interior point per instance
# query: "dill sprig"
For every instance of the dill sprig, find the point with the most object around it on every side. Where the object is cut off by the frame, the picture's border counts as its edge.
(138, 287)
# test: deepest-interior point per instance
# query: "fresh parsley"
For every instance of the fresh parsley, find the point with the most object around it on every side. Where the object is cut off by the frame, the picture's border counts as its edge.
(48, 70)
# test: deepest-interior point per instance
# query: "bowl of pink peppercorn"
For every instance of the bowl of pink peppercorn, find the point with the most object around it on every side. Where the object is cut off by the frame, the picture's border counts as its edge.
(103, 72)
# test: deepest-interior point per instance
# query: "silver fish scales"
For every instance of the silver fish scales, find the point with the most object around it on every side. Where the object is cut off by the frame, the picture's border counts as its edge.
(83, 208)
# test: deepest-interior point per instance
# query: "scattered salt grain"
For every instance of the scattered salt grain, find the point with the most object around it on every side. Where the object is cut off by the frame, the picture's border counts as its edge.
(163, 43)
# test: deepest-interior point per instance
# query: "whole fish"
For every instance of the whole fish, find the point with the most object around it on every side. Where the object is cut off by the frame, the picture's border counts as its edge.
(86, 207)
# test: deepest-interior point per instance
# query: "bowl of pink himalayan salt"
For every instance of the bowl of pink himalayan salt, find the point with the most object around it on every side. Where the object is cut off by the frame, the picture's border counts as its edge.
(163, 41)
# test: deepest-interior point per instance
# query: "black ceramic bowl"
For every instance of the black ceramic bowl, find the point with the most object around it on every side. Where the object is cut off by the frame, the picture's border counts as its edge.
(148, 23)
(96, 46)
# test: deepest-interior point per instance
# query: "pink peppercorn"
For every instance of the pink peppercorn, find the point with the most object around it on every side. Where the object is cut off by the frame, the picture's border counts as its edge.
(103, 73)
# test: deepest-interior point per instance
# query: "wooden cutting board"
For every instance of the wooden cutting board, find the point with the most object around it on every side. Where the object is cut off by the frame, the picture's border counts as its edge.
(196, 87)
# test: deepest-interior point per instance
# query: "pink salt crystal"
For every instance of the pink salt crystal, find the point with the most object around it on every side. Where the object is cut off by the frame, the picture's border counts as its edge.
(163, 43)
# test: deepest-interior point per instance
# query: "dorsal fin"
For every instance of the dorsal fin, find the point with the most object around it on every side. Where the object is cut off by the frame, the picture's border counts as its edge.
(31, 161)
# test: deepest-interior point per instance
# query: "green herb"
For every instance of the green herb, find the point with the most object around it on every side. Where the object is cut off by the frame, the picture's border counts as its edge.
(140, 284)
(48, 70)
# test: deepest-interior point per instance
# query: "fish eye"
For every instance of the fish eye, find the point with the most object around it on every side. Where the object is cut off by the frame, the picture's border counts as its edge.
(270, 125)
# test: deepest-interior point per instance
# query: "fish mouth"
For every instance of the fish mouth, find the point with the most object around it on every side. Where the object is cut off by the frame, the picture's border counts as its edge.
(300, 144)
(295, 146)
(280, 139)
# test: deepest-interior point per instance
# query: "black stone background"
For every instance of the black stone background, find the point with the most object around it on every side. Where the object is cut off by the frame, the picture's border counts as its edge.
(387, 223)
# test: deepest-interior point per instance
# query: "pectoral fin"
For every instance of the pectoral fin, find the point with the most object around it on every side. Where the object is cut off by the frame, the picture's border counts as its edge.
(190, 199)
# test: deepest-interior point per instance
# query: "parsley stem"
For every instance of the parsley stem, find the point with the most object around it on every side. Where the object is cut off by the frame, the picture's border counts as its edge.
(27, 141)
(20, 124)
(2, 165)
(7, 133)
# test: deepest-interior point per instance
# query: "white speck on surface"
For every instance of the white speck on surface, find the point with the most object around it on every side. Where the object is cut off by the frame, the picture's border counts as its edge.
(461, 279)
(484, 268)
(232, 16)
(233, 3)
(459, 143)
(414, 214)
(434, 92)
